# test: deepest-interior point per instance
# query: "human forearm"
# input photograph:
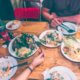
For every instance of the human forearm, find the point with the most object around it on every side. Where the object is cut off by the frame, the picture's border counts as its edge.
(75, 19)
(46, 14)
(24, 75)
(37, 61)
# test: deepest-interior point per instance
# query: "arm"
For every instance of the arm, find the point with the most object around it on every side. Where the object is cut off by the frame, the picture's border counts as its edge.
(46, 14)
(24, 75)
(50, 17)
(37, 61)
(75, 18)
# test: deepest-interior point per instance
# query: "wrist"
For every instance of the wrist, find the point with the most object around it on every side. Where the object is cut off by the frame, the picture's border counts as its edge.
(50, 20)
(32, 66)
(64, 18)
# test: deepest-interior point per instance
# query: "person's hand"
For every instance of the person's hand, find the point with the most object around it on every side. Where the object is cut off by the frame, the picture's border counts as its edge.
(37, 61)
(54, 23)
(52, 16)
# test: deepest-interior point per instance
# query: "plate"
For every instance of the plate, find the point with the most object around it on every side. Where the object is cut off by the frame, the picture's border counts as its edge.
(4, 61)
(30, 52)
(70, 25)
(51, 38)
(62, 72)
(12, 25)
(72, 56)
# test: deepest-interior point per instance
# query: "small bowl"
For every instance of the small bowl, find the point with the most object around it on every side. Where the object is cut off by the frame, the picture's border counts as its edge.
(12, 25)
(70, 25)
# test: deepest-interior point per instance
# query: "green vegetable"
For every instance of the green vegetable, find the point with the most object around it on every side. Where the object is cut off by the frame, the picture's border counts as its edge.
(27, 54)
(65, 53)
(50, 36)
(25, 40)
(17, 53)
(43, 41)
(38, 43)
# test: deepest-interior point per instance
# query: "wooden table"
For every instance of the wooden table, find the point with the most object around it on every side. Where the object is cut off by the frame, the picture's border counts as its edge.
(53, 56)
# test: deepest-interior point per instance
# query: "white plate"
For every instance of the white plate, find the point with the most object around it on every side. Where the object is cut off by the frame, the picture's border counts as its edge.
(15, 26)
(65, 55)
(44, 33)
(70, 25)
(12, 62)
(65, 72)
(13, 53)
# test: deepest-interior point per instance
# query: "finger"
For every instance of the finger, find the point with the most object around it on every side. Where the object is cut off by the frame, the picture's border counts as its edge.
(57, 21)
(40, 51)
(41, 55)
(60, 20)
(54, 24)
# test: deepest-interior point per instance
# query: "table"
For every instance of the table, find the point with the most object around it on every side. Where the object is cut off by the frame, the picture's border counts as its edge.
(53, 56)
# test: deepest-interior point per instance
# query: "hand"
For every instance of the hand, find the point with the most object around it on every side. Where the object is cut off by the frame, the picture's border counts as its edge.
(52, 16)
(54, 24)
(37, 61)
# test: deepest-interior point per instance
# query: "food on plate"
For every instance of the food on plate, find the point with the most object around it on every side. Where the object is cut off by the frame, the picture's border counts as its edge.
(72, 48)
(61, 73)
(56, 76)
(13, 24)
(22, 51)
(5, 67)
(5, 73)
(24, 45)
(51, 38)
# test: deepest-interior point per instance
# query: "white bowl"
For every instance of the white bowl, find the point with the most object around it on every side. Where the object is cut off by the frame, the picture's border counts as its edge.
(15, 26)
(65, 72)
(13, 53)
(70, 25)
(44, 33)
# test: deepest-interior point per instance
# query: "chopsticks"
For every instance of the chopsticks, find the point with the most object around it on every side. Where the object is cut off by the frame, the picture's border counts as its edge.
(19, 65)
(64, 26)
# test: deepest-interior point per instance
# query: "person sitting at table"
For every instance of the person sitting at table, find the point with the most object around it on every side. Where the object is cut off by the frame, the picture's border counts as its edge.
(6, 10)
(37, 61)
(61, 10)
